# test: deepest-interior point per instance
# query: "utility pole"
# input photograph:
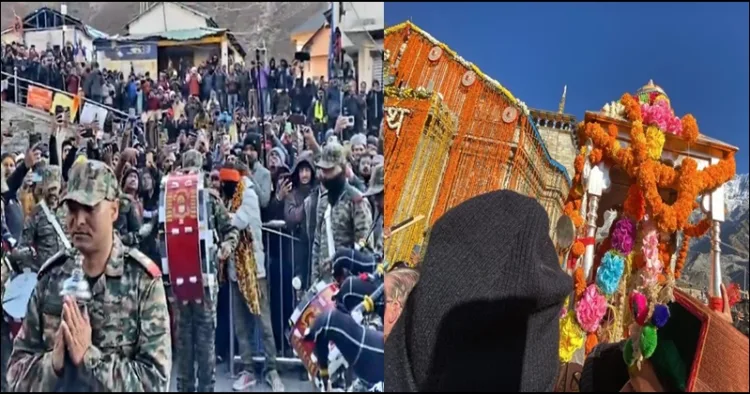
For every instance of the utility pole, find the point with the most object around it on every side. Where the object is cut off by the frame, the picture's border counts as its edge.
(64, 12)
(332, 45)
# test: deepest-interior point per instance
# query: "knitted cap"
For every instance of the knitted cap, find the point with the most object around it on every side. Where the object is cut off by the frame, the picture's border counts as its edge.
(485, 313)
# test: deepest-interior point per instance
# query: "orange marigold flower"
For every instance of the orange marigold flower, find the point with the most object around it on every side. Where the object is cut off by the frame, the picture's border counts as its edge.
(635, 204)
(578, 164)
(591, 342)
(578, 249)
(596, 156)
(690, 131)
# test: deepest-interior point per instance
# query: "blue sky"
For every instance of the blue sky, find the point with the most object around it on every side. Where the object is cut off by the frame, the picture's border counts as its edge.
(697, 52)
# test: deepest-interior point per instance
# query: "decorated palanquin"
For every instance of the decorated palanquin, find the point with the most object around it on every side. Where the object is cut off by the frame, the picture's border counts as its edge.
(646, 183)
(452, 133)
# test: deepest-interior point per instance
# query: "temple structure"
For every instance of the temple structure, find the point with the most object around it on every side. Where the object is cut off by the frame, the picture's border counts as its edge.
(558, 132)
(452, 133)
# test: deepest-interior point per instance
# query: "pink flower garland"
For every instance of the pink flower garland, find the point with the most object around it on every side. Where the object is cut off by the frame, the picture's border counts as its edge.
(650, 249)
(660, 114)
(590, 309)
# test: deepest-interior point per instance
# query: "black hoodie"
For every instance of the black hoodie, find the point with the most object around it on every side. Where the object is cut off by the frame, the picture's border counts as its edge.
(484, 315)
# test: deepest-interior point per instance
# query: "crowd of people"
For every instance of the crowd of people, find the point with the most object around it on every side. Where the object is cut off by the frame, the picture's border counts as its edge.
(182, 94)
(297, 147)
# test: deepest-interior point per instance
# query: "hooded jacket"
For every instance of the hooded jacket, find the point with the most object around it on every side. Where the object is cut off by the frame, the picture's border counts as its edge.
(248, 216)
(294, 213)
(484, 315)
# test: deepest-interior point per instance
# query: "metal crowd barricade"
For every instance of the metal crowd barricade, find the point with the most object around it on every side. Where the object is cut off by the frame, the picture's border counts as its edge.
(21, 85)
(275, 260)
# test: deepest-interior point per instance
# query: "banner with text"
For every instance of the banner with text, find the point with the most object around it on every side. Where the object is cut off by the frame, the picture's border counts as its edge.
(39, 98)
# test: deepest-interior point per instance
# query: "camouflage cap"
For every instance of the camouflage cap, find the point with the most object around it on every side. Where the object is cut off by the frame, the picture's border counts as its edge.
(192, 158)
(377, 182)
(333, 155)
(90, 182)
(51, 176)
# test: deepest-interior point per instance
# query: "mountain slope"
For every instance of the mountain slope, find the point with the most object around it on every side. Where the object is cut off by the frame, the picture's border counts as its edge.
(734, 237)
(252, 22)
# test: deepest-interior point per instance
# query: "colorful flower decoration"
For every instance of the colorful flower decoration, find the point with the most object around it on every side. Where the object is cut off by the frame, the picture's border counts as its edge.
(660, 316)
(591, 341)
(639, 307)
(627, 352)
(640, 242)
(590, 309)
(648, 341)
(623, 236)
(660, 114)
(571, 337)
(655, 142)
(609, 273)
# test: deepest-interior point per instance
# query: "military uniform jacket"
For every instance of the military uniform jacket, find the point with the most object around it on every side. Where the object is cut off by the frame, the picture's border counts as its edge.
(39, 233)
(351, 219)
(131, 340)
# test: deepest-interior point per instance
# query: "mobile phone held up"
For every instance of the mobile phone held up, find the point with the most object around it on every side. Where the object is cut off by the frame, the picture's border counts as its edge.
(297, 119)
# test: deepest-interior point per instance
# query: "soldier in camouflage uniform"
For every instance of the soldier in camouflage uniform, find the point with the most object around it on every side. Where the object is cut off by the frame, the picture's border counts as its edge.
(375, 192)
(349, 212)
(119, 340)
(196, 323)
(128, 223)
(40, 239)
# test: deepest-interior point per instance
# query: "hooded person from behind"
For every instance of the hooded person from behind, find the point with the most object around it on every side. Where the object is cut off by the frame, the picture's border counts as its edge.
(484, 315)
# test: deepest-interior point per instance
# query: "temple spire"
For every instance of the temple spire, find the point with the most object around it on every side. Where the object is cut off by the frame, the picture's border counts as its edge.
(561, 108)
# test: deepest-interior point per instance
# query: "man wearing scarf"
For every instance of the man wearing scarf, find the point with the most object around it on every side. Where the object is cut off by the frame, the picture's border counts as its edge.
(247, 277)
(344, 217)
(196, 322)
(43, 230)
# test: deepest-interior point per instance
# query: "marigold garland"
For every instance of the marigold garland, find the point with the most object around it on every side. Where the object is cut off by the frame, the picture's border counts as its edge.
(641, 162)
(578, 163)
(635, 204)
(596, 156)
(591, 342)
(572, 210)
(699, 229)
(690, 129)
(651, 175)
(578, 249)
(632, 107)
(681, 257)
(579, 282)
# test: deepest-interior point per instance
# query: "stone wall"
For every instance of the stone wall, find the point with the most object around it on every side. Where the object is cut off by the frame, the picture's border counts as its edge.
(18, 122)
(560, 145)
